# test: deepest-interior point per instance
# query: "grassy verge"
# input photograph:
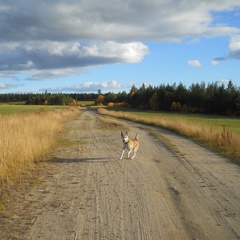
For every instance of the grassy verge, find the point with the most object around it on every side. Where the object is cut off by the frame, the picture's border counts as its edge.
(26, 139)
(221, 134)
(108, 124)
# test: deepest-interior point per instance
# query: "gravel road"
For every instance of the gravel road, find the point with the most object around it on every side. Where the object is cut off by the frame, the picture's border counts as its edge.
(178, 190)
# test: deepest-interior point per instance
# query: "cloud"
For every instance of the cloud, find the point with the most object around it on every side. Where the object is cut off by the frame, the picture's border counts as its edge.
(3, 86)
(45, 59)
(214, 62)
(112, 20)
(194, 63)
(88, 87)
(234, 49)
(223, 81)
(9, 75)
(57, 38)
(8, 86)
(234, 44)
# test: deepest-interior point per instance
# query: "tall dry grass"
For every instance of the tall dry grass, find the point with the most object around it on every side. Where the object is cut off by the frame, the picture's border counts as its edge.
(222, 140)
(26, 138)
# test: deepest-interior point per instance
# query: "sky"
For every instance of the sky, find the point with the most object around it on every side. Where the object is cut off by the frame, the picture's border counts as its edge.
(84, 45)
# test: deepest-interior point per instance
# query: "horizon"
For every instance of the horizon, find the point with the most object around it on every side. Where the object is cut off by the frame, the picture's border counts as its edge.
(224, 84)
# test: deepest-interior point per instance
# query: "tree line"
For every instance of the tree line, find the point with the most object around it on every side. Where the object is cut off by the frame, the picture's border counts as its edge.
(47, 98)
(197, 98)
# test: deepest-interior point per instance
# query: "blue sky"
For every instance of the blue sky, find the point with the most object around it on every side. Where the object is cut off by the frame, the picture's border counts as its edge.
(83, 46)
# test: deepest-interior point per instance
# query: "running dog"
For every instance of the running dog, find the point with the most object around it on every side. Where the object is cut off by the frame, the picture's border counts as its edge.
(130, 144)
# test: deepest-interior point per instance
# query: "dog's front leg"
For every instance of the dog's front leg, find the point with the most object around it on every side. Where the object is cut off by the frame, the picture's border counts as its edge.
(122, 154)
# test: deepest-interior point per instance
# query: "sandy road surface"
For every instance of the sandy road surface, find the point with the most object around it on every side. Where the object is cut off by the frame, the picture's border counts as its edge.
(90, 194)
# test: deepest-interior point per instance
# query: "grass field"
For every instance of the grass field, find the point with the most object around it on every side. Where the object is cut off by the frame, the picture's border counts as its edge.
(16, 109)
(85, 103)
(219, 133)
(232, 124)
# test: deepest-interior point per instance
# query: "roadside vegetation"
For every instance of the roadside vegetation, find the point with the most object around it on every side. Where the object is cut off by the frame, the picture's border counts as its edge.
(26, 139)
(221, 134)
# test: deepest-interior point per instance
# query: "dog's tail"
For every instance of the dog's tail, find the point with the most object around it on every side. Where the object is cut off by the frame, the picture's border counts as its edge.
(136, 137)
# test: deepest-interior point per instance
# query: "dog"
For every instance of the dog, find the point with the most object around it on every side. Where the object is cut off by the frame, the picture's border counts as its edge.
(129, 144)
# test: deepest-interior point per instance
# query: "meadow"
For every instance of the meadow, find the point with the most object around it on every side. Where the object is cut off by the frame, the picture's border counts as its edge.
(85, 103)
(27, 138)
(14, 108)
(219, 133)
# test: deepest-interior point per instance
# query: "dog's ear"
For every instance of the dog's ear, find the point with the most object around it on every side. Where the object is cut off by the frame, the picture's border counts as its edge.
(121, 134)
(126, 132)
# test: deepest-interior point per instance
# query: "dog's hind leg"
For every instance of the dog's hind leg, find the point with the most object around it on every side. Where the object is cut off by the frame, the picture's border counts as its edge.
(129, 153)
(122, 154)
(134, 155)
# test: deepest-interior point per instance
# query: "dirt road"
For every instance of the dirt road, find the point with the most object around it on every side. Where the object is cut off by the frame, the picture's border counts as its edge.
(89, 193)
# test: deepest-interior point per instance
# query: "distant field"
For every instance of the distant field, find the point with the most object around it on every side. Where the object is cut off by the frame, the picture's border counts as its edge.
(85, 103)
(16, 109)
(231, 123)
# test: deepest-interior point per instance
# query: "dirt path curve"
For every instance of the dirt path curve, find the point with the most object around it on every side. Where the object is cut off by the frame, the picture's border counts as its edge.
(90, 194)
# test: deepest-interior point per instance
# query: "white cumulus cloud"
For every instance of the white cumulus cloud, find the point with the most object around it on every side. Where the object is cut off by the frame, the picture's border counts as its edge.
(194, 63)
(234, 47)
(214, 62)
(45, 59)
(8, 86)
(223, 81)
(234, 44)
(88, 87)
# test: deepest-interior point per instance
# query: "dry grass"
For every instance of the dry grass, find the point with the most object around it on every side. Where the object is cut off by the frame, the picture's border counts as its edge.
(27, 138)
(108, 124)
(220, 139)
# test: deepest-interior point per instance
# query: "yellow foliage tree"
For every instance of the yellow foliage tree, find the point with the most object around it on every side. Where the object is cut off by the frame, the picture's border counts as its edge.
(73, 102)
(131, 94)
(99, 100)
(110, 104)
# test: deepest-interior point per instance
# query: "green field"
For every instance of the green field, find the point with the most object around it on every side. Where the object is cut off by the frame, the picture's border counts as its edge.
(231, 123)
(85, 103)
(16, 109)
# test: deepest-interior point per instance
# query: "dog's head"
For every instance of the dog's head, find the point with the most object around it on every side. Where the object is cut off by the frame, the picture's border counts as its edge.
(124, 137)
